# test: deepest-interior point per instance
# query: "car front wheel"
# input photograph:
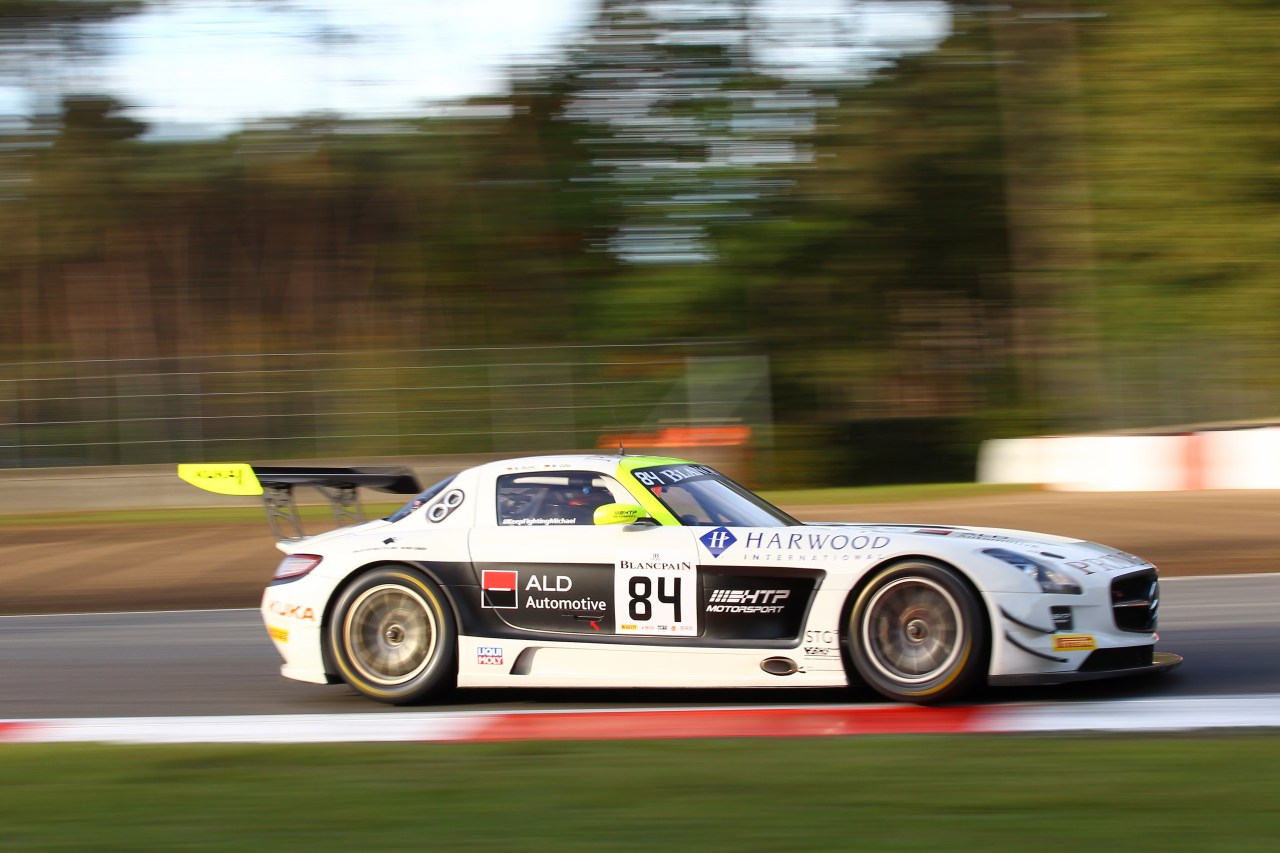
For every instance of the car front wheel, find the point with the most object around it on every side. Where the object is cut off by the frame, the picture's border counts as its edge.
(916, 633)
(393, 636)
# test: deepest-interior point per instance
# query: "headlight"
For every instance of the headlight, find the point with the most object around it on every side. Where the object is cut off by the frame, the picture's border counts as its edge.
(1050, 579)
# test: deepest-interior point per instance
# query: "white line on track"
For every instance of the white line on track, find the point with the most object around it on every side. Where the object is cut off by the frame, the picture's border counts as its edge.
(1133, 715)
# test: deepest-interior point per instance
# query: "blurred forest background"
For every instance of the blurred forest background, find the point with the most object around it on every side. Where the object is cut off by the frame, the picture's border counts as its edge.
(1063, 217)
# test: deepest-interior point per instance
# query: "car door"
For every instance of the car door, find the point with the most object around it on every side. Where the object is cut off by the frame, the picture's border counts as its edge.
(543, 565)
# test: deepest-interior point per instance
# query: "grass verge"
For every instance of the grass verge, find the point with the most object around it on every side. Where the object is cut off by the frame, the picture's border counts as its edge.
(989, 793)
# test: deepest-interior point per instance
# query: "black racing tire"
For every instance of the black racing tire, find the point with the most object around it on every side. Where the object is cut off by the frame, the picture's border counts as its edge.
(393, 637)
(917, 633)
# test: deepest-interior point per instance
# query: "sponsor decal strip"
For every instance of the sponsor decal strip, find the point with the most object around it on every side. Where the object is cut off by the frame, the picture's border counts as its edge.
(1132, 715)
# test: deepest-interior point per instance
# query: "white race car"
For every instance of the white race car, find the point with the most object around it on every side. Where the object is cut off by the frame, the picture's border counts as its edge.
(627, 571)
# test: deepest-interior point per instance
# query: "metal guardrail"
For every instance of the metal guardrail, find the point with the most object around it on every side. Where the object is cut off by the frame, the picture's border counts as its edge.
(367, 403)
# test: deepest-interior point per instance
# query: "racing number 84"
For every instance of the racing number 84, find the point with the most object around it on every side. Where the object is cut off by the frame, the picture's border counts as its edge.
(656, 594)
(640, 608)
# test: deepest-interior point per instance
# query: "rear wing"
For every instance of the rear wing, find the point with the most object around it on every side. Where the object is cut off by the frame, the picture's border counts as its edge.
(340, 487)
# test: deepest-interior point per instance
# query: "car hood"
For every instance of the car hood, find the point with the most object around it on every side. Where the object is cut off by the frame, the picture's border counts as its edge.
(1069, 550)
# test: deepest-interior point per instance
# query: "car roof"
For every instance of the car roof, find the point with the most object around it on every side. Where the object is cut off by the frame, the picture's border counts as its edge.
(602, 463)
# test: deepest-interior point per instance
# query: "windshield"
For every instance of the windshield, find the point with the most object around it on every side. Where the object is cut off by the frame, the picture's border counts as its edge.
(421, 499)
(699, 496)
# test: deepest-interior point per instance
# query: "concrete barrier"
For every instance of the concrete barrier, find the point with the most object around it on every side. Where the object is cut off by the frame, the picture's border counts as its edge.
(1245, 458)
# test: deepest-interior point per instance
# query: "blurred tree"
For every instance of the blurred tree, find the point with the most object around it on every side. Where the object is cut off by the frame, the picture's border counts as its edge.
(685, 137)
(1060, 218)
(40, 41)
(38, 37)
(1183, 159)
(1049, 204)
(83, 222)
(881, 283)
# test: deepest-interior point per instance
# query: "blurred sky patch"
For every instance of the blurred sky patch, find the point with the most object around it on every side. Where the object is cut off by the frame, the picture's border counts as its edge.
(202, 67)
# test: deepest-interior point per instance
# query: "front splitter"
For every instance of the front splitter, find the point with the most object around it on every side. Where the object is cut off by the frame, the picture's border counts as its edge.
(1160, 662)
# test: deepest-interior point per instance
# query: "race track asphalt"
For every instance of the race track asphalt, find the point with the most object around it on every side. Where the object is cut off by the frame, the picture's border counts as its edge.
(220, 662)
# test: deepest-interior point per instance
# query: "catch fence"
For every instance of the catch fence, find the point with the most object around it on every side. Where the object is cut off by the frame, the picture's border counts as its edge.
(378, 403)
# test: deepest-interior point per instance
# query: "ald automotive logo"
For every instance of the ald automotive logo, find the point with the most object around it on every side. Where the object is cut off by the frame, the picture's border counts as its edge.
(718, 540)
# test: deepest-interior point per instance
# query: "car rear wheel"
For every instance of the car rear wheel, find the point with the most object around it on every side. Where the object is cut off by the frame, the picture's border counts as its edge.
(393, 636)
(916, 633)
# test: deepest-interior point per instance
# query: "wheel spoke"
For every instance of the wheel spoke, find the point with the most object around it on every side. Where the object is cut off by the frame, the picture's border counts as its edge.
(391, 634)
(913, 626)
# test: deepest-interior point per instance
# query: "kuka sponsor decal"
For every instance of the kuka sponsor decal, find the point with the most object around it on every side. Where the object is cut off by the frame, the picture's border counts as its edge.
(1074, 643)
(224, 479)
(285, 610)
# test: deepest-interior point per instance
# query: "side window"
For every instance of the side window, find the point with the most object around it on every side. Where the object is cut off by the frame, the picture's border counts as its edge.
(553, 498)
(684, 505)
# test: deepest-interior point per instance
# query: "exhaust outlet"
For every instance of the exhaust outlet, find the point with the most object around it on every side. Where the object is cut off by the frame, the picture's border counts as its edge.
(779, 666)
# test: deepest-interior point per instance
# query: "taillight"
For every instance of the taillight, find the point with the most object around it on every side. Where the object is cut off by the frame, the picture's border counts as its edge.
(295, 566)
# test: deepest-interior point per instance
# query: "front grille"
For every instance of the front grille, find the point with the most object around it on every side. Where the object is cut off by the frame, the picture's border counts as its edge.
(1135, 599)
(1130, 657)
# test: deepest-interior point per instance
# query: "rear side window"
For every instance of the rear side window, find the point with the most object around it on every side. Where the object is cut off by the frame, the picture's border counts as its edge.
(555, 498)
(421, 499)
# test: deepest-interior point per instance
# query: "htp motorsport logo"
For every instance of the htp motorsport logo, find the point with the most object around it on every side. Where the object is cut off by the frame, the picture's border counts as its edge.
(756, 601)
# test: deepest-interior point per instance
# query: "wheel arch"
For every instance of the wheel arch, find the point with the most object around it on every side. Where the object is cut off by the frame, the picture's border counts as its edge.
(326, 652)
(846, 609)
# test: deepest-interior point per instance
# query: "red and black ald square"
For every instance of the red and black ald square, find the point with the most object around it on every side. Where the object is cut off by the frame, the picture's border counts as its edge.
(498, 588)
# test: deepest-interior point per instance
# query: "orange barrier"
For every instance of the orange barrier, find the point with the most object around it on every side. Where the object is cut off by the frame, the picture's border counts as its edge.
(717, 436)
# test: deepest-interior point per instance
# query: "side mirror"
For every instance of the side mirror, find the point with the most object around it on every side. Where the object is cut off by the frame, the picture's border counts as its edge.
(618, 514)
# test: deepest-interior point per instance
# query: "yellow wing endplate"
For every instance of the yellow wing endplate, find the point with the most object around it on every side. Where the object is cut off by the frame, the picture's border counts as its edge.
(223, 478)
